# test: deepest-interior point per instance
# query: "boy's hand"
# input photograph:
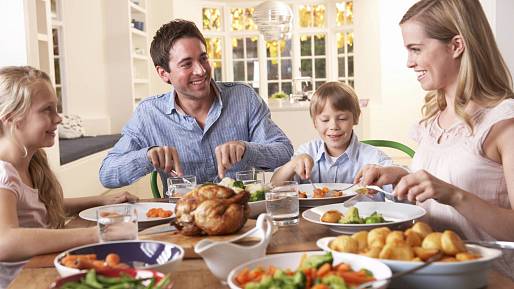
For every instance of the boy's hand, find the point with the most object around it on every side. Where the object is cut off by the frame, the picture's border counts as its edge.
(302, 166)
(117, 198)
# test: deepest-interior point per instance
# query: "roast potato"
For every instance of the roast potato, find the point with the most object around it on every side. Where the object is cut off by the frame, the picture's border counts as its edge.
(345, 244)
(331, 216)
(451, 243)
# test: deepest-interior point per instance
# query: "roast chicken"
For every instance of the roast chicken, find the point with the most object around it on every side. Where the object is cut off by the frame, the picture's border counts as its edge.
(211, 209)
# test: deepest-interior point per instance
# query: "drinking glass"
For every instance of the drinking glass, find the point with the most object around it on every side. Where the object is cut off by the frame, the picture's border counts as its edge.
(282, 203)
(251, 177)
(179, 186)
(117, 222)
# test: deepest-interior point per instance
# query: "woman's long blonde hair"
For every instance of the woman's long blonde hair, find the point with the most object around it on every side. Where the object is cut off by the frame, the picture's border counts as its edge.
(17, 85)
(483, 75)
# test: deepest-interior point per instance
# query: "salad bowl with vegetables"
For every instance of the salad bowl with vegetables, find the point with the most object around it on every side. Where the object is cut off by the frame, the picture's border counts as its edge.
(256, 202)
(308, 270)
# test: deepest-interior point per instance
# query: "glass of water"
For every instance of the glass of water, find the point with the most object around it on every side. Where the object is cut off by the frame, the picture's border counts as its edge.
(179, 186)
(251, 177)
(282, 203)
(117, 222)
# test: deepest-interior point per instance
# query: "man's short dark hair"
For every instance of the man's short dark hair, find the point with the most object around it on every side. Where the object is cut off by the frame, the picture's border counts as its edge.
(167, 35)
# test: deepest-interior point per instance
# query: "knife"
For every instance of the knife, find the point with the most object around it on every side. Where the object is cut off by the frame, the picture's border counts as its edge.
(158, 229)
(493, 244)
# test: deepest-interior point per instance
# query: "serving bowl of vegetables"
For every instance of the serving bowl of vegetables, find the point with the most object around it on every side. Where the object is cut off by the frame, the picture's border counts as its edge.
(256, 202)
(115, 278)
(306, 270)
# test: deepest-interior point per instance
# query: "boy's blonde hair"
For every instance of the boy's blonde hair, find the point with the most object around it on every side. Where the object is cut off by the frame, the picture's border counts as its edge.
(483, 75)
(17, 85)
(340, 95)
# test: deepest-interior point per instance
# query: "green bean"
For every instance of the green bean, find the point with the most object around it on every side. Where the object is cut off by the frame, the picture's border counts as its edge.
(91, 280)
(163, 282)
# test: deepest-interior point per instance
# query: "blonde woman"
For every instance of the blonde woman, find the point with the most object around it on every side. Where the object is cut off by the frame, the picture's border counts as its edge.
(464, 164)
(32, 208)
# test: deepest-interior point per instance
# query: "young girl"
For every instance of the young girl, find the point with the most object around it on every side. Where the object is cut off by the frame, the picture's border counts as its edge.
(338, 155)
(464, 163)
(32, 208)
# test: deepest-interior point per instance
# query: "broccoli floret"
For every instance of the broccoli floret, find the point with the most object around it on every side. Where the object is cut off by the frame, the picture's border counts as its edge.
(351, 217)
(238, 184)
(316, 261)
(374, 218)
(256, 191)
(299, 279)
(334, 282)
(256, 196)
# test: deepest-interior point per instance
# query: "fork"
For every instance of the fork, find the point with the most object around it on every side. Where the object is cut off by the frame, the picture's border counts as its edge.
(312, 184)
(183, 179)
(369, 285)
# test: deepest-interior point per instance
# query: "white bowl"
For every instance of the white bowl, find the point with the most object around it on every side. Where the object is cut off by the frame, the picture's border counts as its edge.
(398, 214)
(155, 255)
(456, 275)
(257, 208)
(292, 260)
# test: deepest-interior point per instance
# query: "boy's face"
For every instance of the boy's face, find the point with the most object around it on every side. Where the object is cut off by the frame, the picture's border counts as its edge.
(335, 128)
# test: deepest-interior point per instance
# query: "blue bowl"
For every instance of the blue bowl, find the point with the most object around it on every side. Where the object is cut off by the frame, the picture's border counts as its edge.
(154, 255)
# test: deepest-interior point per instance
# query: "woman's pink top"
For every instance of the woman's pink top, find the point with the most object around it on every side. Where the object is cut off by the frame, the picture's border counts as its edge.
(30, 210)
(455, 156)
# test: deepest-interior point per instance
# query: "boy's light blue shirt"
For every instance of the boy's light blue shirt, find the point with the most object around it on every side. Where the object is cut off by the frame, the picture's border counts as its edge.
(345, 168)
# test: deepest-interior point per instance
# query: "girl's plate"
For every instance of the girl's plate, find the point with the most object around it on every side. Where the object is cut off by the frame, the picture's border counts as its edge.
(141, 208)
(396, 215)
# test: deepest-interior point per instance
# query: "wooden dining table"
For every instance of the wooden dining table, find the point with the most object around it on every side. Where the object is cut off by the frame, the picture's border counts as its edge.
(39, 272)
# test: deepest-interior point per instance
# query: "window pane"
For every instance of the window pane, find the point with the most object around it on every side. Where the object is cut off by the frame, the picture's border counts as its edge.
(349, 42)
(211, 19)
(242, 19)
(285, 47)
(344, 13)
(340, 43)
(286, 69)
(350, 66)
(305, 45)
(214, 49)
(272, 88)
(320, 68)
(305, 15)
(238, 48)
(319, 44)
(251, 47)
(351, 83)
(311, 15)
(57, 66)
(319, 15)
(287, 87)
(239, 71)
(249, 69)
(216, 68)
(58, 92)
(319, 83)
(340, 67)
(273, 69)
(306, 67)
(55, 37)
(249, 24)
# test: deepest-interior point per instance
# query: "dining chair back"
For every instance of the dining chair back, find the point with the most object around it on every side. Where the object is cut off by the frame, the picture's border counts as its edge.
(390, 144)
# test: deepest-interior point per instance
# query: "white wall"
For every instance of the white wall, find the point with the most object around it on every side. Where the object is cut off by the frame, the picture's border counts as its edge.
(501, 18)
(12, 31)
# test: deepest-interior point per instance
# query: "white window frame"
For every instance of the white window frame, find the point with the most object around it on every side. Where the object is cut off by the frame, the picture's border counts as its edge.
(329, 30)
(58, 24)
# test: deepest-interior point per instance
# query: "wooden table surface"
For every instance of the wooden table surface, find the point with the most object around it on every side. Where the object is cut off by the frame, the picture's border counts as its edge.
(39, 273)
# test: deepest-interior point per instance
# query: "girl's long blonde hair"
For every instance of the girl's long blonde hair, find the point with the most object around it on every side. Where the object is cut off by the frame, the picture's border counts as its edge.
(483, 75)
(17, 85)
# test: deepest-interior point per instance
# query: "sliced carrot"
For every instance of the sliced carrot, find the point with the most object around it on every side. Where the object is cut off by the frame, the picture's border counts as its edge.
(323, 270)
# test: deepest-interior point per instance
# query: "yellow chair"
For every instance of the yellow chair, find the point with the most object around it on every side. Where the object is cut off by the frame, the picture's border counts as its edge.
(390, 144)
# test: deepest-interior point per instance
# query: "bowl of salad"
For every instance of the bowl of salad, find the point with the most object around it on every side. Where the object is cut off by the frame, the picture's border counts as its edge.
(256, 202)
(309, 270)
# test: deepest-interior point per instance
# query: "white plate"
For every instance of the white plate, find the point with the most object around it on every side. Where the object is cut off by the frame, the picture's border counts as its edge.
(397, 213)
(142, 208)
(455, 275)
(292, 260)
(311, 202)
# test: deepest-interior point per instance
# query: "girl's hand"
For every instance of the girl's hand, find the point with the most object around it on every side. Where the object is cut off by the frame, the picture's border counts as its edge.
(421, 186)
(117, 198)
(302, 166)
(379, 175)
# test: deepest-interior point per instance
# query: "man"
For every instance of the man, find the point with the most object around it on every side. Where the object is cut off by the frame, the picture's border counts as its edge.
(200, 127)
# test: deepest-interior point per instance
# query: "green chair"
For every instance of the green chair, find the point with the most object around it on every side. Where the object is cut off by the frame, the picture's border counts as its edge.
(153, 183)
(390, 144)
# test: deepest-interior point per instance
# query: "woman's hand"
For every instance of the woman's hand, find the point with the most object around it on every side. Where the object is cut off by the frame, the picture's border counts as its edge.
(421, 186)
(117, 198)
(379, 175)
(302, 166)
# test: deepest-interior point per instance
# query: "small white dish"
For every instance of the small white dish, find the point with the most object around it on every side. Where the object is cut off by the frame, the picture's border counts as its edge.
(397, 214)
(221, 257)
(292, 261)
(456, 275)
(155, 255)
(142, 208)
(311, 202)
(257, 208)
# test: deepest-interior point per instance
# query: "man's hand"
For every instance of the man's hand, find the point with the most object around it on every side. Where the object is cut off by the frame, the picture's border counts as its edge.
(165, 159)
(228, 154)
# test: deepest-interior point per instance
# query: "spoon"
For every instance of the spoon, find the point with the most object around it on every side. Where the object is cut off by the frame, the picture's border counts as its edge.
(369, 285)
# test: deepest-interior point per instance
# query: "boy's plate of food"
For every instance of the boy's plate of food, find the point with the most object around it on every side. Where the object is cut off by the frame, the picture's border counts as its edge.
(146, 212)
(364, 216)
(324, 194)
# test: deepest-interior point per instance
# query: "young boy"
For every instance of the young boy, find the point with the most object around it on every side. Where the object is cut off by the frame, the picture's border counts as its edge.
(338, 155)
